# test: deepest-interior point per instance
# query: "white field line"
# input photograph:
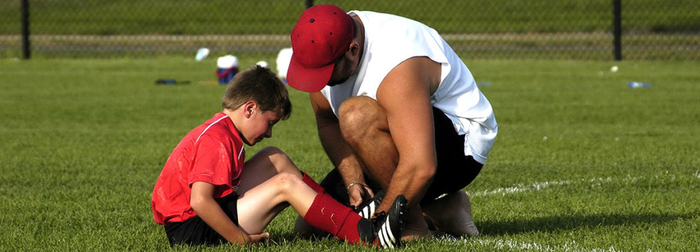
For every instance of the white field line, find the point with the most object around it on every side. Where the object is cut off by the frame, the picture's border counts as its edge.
(529, 246)
(538, 186)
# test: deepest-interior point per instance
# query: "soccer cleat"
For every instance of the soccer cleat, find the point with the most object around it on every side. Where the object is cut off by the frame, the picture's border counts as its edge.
(367, 209)
(388, 226)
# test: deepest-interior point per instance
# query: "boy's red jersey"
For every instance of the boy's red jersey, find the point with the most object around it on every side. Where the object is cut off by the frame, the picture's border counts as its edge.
(213, 153)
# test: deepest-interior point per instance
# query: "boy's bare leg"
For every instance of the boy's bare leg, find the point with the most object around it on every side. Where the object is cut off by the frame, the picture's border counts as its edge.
(264, 165)
(261, 197)
(259, 202)
(257, 206)
(451, 214)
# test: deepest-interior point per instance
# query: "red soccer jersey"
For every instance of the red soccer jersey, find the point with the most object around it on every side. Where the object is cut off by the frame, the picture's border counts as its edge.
(213, 153)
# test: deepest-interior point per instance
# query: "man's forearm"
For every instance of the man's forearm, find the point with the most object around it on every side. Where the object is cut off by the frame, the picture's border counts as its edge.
(341, 154)
(411, 181)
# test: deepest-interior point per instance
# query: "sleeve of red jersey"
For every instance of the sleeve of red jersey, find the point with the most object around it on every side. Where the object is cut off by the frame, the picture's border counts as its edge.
(215, 162)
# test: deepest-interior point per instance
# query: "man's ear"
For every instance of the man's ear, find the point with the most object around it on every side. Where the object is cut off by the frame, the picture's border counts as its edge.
(354, 48)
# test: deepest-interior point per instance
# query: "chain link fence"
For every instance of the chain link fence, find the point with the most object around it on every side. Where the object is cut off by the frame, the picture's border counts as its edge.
(495, 29)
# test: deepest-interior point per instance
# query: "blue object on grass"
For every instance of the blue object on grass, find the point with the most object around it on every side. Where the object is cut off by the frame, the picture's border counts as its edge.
(170, 82)
(635, 84)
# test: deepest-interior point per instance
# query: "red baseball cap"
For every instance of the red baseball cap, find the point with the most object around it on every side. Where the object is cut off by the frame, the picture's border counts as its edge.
(320, 37)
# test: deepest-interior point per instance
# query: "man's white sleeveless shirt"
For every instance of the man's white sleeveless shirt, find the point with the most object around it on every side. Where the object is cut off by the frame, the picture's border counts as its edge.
(390, 40)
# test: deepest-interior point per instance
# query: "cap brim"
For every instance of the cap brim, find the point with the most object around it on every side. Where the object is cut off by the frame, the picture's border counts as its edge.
(308, 79)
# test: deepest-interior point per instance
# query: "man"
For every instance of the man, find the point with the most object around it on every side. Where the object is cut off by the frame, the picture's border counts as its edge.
(396, 107)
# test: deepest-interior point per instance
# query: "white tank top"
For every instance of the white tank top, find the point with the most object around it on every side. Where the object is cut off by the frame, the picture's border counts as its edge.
(390, 40)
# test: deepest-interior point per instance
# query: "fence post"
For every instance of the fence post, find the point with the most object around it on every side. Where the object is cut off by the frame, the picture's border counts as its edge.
(25, 29)
(309, 3)
(617, 29)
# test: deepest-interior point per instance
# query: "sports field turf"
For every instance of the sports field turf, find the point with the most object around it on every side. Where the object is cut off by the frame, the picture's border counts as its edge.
(581, 163)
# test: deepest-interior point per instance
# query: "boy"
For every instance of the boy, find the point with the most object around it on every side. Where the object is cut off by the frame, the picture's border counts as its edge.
(205, 196)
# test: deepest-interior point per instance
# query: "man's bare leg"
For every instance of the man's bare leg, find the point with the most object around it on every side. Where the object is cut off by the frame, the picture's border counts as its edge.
(451, 214)
(364, 126)
(416, 226)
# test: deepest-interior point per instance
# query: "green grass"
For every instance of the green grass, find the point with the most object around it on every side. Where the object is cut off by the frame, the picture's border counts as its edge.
(581, 163)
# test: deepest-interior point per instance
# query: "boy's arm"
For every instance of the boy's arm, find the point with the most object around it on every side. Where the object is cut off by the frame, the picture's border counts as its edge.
(203, 203)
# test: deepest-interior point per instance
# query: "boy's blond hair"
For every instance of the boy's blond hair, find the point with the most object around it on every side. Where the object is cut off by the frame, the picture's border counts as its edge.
(261, 85)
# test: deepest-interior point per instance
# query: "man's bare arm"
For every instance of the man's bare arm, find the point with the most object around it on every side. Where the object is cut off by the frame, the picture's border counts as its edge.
(337, 149)
(405, 96)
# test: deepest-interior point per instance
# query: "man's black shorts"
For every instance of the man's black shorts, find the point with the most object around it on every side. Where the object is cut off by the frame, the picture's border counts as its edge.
(454, 170)
(195, 231)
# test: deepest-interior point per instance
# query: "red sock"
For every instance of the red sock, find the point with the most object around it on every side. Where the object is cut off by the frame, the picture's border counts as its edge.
(329, 215)
(312, 183)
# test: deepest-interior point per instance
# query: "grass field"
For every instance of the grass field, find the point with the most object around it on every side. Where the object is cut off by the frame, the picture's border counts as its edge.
(581, 163)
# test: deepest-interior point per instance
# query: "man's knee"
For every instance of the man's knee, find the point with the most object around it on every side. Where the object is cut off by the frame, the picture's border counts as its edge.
(359, 114)
(356, 110)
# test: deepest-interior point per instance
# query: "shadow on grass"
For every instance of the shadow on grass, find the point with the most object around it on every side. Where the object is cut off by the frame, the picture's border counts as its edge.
(292, 237)
(495, 228)
(571, 222)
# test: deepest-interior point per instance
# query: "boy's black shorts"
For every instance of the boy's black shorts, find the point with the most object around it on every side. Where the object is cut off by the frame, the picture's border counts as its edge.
(195, 231)
(454, 170)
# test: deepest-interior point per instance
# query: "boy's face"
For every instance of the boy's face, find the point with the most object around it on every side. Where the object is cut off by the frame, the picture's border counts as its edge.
(259, 126)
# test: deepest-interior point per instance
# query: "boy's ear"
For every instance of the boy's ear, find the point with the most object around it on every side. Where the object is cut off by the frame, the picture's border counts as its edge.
(249, 107)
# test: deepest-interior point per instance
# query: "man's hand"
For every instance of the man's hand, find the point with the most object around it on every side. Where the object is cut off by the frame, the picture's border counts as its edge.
(339, 151)
(358, 193)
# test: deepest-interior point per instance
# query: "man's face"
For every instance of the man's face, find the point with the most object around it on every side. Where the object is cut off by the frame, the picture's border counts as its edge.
(344, 68)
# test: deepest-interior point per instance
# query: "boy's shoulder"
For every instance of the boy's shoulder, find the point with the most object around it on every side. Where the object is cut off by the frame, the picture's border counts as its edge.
(219, 127)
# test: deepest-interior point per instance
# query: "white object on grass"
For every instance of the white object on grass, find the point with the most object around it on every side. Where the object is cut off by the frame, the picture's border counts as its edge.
(283, 59)
(202, 53)
(227, 61)
(262, 63)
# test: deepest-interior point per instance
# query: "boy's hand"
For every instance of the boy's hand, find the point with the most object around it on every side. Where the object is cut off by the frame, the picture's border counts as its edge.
(203, 203)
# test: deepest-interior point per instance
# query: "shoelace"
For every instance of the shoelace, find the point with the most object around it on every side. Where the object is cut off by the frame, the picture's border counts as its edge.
(378, 216)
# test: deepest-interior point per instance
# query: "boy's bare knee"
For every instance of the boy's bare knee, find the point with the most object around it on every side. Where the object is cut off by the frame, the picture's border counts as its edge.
(276, 155)
(271, 150)
(287, 181)
(280, 160)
